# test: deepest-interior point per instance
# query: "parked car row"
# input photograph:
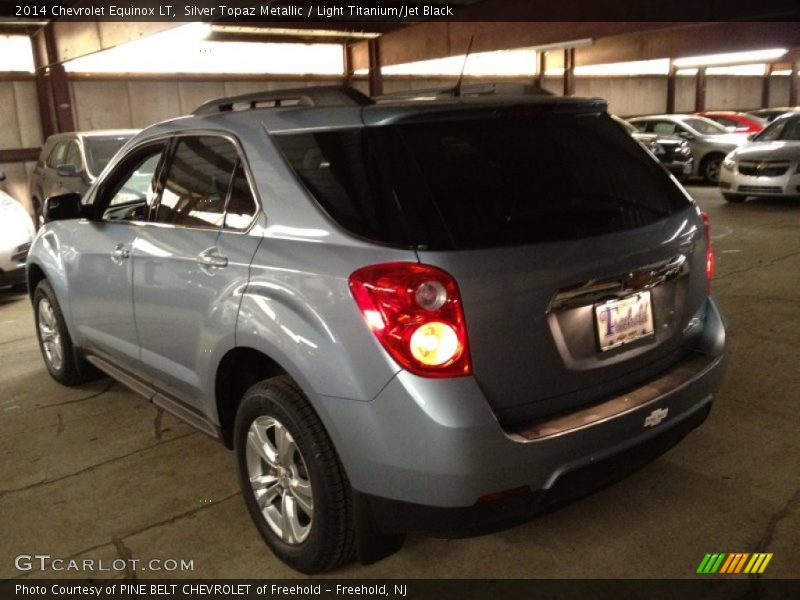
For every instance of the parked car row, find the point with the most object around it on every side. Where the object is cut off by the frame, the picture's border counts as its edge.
(718, 139)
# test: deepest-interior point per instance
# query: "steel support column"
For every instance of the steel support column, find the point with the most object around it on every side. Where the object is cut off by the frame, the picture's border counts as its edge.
(375, 77)
(59, 84)
(700, 90)
(671, 82)
(541, 56)
(43, 94)
(765, 83)
(569, 71)
(347, 63)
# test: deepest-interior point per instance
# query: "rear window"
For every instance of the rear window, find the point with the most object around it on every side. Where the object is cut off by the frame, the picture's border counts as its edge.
(100, 151)
(484, 182)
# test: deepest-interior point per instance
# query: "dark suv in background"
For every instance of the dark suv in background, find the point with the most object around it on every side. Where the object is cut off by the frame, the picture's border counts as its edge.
(70, 162)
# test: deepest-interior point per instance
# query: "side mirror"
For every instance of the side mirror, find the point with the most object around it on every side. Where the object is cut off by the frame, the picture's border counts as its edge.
(2, 175)
(751, 137)
(67, 171)
(686, 135)
(63, 206)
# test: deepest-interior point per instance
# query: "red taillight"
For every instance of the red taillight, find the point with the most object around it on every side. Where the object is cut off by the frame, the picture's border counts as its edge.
(709, 251)
(415, 312)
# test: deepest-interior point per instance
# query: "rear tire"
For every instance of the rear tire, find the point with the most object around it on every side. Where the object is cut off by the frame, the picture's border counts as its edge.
(293, 483)
(734, 198)
(710, 168)
(61, 358)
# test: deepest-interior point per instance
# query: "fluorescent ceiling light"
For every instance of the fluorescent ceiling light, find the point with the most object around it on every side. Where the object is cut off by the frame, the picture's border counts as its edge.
(189, 52)
(754, 69)
(503, 63)
(731, 58)
(283, 31)
(658, 66)
(564, 45)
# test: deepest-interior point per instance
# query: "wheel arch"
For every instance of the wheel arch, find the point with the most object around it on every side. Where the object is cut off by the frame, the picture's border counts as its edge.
(239, 369)
(34, 275)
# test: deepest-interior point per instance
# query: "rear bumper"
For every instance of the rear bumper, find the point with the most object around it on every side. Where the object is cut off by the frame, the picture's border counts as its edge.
(394, 516)
(424, 451)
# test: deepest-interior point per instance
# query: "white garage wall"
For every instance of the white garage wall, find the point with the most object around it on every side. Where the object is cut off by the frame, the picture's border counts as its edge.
(19, 128)
(115, 104)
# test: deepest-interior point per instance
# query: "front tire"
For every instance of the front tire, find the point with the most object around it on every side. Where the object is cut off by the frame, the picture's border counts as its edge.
(293, 483)
(61, 358)
(734, 198)
(710, 168)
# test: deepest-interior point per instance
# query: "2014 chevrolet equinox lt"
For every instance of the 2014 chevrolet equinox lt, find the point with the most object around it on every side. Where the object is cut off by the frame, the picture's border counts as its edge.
(435, 316)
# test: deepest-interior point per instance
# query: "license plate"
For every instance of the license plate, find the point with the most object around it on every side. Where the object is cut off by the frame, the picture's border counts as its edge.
(624, 321)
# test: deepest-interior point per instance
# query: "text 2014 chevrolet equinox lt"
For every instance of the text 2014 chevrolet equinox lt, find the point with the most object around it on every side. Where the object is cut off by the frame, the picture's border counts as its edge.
(436, 316)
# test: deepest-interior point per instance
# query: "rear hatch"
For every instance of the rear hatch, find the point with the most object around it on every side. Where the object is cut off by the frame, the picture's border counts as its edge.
(550, 217)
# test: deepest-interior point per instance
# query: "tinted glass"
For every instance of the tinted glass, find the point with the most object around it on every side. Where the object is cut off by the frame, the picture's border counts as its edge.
(57, 154)
(781, 129)
(340, 170)
(486, 182)
(133, 189)
(663, 127)
(241, 206)
(73, 156)
(197, 182)
(704, 126)
(100, 151)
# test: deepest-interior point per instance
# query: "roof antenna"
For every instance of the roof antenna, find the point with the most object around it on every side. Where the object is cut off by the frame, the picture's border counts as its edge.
(457, 88)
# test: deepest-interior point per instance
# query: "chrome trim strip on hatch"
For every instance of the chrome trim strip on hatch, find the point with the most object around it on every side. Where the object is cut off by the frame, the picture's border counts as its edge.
(597, 290)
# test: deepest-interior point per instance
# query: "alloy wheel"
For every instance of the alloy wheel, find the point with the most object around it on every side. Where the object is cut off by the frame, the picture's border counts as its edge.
(50, 336)
(279, 480)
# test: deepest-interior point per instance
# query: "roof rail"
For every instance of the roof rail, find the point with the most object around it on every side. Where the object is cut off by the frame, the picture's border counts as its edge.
(310, 96)
(474, 89)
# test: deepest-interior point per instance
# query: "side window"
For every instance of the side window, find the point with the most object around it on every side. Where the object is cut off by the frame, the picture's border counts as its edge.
(664, 127)
(73, 156)
(57, 155)
(640, 125)
(129, 191)
(241, 206)
(197, 182)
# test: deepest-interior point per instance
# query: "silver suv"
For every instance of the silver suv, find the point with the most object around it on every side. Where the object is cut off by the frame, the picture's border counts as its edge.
(436, 315)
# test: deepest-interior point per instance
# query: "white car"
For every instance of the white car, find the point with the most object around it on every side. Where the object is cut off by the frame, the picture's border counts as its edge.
(767, 167)
(16, 235)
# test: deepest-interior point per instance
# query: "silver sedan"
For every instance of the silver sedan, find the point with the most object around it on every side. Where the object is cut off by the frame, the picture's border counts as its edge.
(768, 166)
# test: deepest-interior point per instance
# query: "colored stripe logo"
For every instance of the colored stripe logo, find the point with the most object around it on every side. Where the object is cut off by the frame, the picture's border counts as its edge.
(734, 563)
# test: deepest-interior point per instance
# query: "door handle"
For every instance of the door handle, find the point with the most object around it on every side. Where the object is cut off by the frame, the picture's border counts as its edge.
(210, 259)
(120, 253)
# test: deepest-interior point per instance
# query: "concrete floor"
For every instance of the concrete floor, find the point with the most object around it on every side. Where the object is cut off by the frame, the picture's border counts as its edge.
(96, 472)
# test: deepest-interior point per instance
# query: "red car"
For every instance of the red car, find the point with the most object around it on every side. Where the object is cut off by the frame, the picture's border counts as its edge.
(735, 121)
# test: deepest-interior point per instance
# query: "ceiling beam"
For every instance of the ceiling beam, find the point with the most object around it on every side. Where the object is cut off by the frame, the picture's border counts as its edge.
(74, 39)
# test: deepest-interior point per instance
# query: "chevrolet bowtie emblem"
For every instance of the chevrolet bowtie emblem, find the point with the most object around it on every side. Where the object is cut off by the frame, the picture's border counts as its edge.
(655, 417)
